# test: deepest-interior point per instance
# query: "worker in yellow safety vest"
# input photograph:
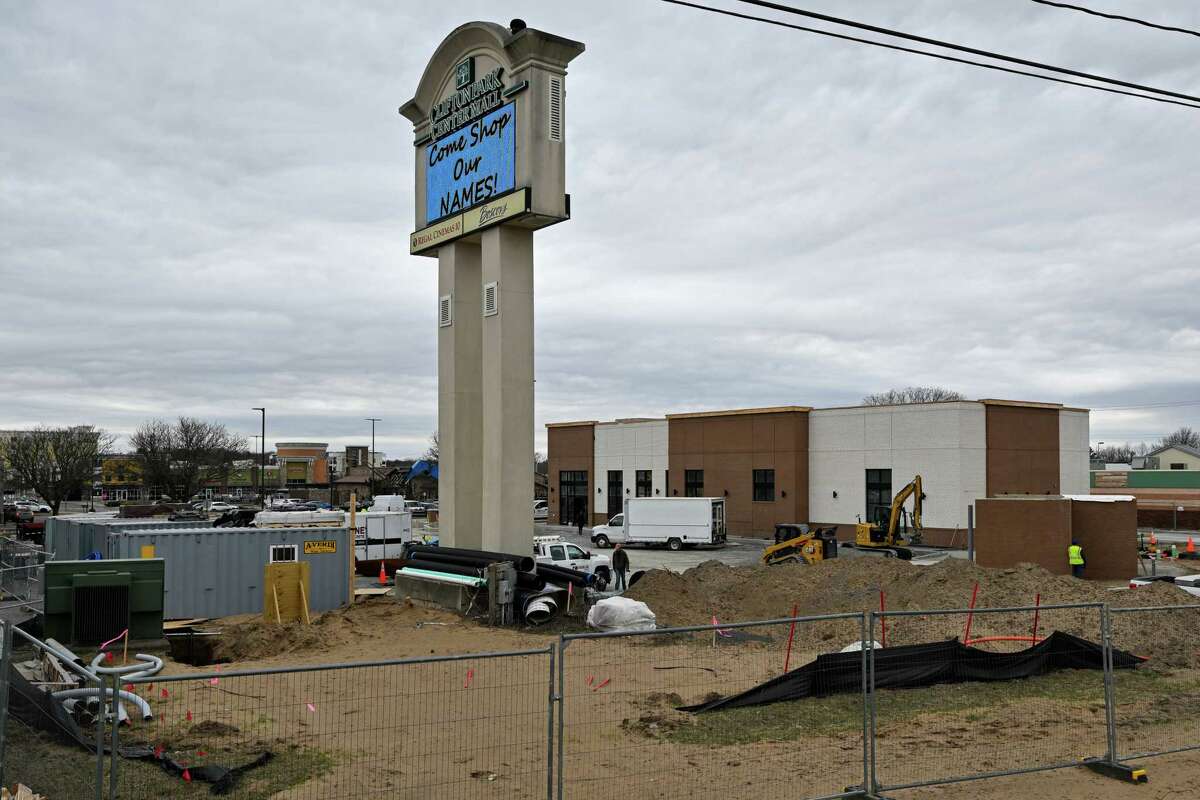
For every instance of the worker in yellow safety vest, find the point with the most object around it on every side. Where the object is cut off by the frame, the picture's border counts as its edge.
(1075, 557)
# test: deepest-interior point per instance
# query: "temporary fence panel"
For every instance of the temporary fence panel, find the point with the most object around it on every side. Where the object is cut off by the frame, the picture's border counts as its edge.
(945, 712)
(218, 572)
(21, 569)
(621, 728)
(36, 745)
(1155, 705)
(441, 728)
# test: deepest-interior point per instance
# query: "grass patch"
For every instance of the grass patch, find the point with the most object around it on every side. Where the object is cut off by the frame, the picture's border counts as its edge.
(842, 714)
(57, 770)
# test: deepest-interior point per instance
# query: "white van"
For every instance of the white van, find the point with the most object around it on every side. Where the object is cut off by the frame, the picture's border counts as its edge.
(676, 522)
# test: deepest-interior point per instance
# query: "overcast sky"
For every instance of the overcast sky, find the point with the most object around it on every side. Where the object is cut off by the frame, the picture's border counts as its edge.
(206, 207)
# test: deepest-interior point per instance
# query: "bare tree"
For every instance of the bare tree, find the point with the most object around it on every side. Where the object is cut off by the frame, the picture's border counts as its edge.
(55, 462)
(435, 448)
(180, 456)
(912, 394)
(1184, 436)
(541, 464)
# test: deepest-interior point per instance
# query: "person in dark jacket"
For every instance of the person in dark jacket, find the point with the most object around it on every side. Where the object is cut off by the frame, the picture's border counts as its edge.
(580, 517)
(620, 562)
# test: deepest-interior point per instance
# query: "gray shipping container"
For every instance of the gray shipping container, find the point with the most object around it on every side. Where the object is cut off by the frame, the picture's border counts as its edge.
(218, 572)
(73, 538)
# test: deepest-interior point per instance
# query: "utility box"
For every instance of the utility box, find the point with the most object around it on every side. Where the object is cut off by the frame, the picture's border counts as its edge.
(89, 602)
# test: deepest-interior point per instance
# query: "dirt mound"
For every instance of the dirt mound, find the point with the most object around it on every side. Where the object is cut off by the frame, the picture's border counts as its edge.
(252, 638)
(735, 594)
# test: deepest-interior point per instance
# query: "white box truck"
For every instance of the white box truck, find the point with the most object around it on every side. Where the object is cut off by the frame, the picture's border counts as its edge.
(676, 522)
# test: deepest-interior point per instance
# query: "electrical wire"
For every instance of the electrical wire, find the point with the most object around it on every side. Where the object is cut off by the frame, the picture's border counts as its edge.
(1168, 404)
(1134, 20)
(965, 49)
(943, 57)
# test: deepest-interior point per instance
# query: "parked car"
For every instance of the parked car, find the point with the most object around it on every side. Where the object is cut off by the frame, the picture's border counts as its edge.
(541, 510)
(220, 507)
(34, 506)
(315, 505)
(187, 514)
(554, 550)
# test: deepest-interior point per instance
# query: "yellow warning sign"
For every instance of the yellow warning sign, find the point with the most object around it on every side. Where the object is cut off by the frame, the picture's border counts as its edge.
(320, 546)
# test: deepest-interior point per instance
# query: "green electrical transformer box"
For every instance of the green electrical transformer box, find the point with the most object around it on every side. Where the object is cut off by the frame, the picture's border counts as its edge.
(89, 602)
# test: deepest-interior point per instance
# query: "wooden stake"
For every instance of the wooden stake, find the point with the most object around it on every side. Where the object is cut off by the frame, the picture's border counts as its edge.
(791, 634)
(304, 603)
(970, 616)
(275, 592)
(125, 653)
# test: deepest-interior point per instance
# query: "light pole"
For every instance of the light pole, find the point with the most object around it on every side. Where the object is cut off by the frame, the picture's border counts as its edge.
(371, 453)
(262, 464)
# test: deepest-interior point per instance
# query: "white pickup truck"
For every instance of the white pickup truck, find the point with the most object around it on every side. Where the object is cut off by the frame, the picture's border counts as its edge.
(553, 550)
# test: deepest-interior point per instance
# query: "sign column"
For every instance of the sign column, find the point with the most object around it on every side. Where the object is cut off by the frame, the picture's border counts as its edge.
(508, 389)
(460, 399)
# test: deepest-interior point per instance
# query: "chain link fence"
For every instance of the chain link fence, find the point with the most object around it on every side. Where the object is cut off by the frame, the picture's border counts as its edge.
(21, 566)
(629, 722)
(57, 747)
(944, 712)
(1155, 705)
(440, 727)
(768, 709)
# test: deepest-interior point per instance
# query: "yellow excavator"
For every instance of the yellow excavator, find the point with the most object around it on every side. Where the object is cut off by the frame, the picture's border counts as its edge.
(795, 542)
(870, 536)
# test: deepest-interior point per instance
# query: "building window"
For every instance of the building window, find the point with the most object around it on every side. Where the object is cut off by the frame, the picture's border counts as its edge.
(764, 485)
(642, 483)
(879, 495)
(283, 553)
(572, 495)
(1179, 466)
(616, 485)
(693, 483)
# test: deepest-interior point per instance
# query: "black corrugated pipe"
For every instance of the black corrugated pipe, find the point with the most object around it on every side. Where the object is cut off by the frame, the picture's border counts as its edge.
(522, 563)
(560, 574)
(481, 562)
(442, 566)
(530, 581)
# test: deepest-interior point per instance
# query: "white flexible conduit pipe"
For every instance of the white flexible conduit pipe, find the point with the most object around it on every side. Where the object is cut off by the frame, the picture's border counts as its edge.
(142, 705)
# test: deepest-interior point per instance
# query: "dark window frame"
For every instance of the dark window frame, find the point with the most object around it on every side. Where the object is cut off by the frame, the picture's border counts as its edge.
(616, 491)
(693, 483)
(643, 482)
(878, 495)
(763, 483)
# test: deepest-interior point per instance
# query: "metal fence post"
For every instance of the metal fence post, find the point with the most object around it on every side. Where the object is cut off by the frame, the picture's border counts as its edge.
(1110, 709)
(116, 723)
(100, 739)
(562, 709)
(550, 730)
(872, 786)
(866, 733)
(5, 666)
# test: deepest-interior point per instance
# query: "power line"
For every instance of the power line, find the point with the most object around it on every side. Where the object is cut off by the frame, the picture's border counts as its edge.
(914, 51)
(1134, 20)
(963, 48)
(1168, 404)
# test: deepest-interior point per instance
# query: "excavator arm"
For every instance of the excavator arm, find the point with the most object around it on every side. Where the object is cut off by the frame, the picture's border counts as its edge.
(913, 490)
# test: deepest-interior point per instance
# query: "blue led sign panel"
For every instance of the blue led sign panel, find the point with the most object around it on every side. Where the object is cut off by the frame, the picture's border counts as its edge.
(471, 165)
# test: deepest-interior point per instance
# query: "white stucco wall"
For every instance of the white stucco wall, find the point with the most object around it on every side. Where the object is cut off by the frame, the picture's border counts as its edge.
(1073, 434)
(630, 446)
(944, 443)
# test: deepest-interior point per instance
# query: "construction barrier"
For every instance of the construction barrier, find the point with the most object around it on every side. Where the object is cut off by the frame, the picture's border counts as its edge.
(767, 709)
(623, 728)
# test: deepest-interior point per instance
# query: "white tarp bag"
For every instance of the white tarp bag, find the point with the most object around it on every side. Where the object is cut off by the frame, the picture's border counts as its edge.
(621, 614)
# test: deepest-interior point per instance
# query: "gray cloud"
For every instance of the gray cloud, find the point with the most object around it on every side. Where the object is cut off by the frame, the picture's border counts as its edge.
(206, 209)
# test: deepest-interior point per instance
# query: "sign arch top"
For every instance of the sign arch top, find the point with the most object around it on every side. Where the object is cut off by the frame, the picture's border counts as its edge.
(488, 121)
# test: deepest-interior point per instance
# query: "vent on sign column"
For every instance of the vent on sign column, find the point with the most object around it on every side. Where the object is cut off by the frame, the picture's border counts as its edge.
(445, 311)
(556, 109)
(491, 301)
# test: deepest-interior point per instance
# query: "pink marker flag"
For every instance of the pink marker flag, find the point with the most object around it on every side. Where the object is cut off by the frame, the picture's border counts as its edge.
(470, 677)
(717, 625)
(311, 707)
(601, 684)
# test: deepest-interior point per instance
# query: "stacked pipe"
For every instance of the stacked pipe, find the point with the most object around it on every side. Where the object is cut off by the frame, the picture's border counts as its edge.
(537, 583)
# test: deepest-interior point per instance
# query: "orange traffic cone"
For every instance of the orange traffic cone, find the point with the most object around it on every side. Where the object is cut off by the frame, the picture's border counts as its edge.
(1191, 546)
(383, 580)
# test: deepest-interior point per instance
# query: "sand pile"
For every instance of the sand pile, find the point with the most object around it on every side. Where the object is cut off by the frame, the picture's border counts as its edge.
(750, 593)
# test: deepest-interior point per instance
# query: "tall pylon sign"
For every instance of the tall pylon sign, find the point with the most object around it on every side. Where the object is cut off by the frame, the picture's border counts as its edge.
(489, 126)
